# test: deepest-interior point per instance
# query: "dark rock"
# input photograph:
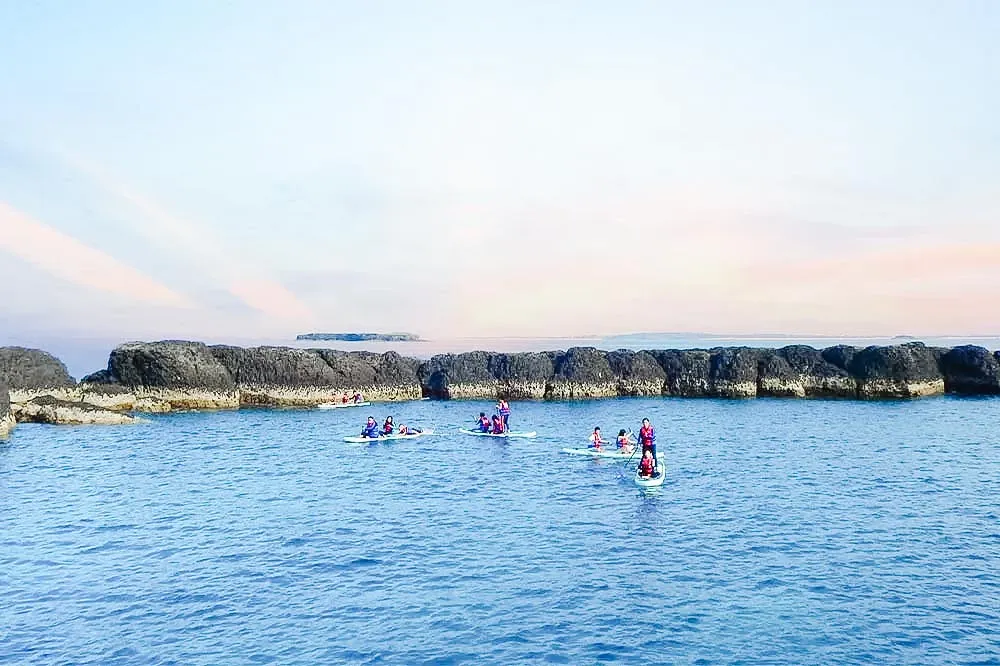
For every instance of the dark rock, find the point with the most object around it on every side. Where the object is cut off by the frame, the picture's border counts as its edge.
(169, 364)
(687, 372)
(840, 356)
(33, 369)
(274, 366)
(638, 373)
(801, 371)
(582, 372)
(522, 376)
(100, 377)
(350, 369)
(6, 417)
(900, 371)
(465, 375)
(971, 370)
(733, 372)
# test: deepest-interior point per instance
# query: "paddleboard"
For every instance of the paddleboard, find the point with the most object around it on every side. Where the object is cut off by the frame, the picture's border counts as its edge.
(341, 405)
(606, 453)
(650, 481)
(386, 438)
(476, 433)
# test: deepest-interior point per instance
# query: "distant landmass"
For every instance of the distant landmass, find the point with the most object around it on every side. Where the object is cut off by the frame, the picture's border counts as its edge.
(360, 337)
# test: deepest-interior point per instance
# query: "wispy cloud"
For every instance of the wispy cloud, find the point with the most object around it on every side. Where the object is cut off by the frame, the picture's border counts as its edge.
(71, 260)
(197, 242)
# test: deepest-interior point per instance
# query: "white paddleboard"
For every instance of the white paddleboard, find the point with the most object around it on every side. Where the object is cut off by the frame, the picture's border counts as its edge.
(386, 438)
(341, 405)
(650, 481)
(477, 433)
(615, 454)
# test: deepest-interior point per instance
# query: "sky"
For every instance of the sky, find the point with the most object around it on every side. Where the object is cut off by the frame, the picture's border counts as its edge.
(258, 169)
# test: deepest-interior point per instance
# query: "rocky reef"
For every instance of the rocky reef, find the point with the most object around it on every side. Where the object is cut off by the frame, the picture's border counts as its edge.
(172, 375)
(6, 416)
(898, 371)
(46, 409)
(192, 375)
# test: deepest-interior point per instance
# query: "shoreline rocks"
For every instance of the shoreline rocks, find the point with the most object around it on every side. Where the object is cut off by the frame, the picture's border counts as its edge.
(46, 409)
(164, 376)
(6, 416)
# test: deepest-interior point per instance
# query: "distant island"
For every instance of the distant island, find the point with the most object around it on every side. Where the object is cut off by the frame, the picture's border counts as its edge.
(360, 337)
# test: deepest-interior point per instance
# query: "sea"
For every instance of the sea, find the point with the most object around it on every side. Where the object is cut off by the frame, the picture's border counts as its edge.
(787, 532)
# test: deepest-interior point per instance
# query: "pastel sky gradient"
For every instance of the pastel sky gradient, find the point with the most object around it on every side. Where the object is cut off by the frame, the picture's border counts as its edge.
(196, 169)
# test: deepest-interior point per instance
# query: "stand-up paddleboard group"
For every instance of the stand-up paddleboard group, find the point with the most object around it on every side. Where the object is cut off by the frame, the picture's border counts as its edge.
(649, 471)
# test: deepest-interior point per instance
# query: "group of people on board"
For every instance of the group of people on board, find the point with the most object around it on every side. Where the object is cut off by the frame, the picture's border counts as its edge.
(626, 446)
(356, 398)
(372, 430)
(499, 424)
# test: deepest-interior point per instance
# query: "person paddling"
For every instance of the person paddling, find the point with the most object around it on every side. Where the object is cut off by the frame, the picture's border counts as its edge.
(624, 442)
(504, 409)
(371, 429)
(483, 423)
(595, 440)
(647, 466)
(647, 439)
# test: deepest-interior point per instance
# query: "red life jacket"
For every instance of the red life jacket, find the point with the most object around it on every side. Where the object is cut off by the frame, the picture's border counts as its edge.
(387, 428)
(497, 426)
(647, 466)
(646, 435)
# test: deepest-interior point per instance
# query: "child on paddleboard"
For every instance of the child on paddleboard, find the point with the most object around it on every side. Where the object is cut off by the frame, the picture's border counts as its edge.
(388, 426)
(595, 439)
(497, 425)
(624, 442)
(483, 423)
(647, 466)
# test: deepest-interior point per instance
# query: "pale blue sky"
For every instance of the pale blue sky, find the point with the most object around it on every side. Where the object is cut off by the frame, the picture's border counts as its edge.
(733, 167)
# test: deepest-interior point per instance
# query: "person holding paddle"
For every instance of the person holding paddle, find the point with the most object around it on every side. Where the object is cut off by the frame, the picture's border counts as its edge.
(647, 439)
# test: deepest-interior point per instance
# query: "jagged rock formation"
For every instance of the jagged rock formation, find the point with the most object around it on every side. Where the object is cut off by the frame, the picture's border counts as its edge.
(32, 372)
(46, 409)
(192, 375)
(971, 370)
(6, 416)
(161, 376)
(899, 371)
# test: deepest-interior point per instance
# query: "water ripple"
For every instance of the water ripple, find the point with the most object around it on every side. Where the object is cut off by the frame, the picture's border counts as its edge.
(807, 532)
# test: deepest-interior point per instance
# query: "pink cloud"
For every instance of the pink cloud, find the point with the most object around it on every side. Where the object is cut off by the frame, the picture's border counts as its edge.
(168, 230)
(73, 261)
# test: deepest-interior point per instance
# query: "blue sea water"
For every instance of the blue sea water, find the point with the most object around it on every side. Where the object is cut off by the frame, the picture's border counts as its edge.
(788, 531)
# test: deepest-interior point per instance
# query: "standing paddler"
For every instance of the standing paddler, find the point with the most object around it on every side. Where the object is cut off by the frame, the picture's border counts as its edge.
(504, 410)
(647, 439)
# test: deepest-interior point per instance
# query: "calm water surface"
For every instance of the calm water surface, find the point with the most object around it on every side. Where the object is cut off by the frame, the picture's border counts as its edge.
(801, 532)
